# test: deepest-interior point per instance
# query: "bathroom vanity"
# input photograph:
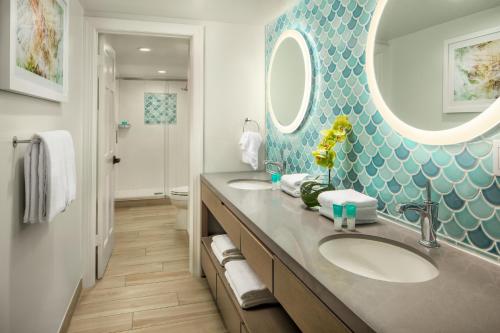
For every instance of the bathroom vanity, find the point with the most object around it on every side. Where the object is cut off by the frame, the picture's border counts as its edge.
(281, 242)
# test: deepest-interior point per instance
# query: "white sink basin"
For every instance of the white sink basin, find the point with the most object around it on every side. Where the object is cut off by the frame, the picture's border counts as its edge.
(376, 259)
(250, 184)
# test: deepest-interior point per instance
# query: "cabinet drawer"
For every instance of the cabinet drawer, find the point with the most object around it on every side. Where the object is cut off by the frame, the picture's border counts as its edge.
(308, 312)
(209, 270)
(226, 307)
(226, 219)
(257, 257)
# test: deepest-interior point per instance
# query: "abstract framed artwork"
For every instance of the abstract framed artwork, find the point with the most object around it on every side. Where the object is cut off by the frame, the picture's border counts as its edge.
(471, 72)
(34, 48)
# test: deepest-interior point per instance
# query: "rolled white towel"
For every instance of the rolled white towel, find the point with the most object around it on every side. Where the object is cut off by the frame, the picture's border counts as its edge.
(365, 219)
(294, 192)
(342, 197)
(223, 260)
(294, 180)
(224, 244)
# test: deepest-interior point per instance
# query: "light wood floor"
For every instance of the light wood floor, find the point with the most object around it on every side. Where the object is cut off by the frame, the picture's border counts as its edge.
(147, 287)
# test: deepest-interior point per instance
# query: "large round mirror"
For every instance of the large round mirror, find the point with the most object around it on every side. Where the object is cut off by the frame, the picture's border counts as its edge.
(434, 67)
(289, 81)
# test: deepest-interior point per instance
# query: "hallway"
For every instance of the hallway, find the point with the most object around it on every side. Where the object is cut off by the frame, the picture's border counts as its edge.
(147, 286)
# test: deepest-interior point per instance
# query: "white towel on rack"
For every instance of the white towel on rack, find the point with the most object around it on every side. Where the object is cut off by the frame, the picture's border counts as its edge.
(250, 144)
(50, 176)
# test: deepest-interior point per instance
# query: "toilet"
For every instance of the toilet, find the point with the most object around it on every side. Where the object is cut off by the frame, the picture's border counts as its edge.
(179, 197)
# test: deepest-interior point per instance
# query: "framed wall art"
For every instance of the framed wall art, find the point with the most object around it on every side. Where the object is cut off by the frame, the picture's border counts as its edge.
(34, 48)
(471, 72)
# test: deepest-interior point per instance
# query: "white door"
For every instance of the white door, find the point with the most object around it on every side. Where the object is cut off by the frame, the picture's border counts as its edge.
(107, 128)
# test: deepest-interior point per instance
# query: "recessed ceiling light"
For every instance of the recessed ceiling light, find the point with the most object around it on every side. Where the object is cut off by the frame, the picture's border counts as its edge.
(144, 49)
(162, 71)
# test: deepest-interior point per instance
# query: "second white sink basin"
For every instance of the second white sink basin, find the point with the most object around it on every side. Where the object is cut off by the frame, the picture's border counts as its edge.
(250, 184)
(377, 259)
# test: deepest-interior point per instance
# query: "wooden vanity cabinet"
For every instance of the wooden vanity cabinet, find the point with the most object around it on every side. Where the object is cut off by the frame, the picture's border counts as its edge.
(227, 309)
(299, 309)
(308, 312)
(222, 214)
(258, 257)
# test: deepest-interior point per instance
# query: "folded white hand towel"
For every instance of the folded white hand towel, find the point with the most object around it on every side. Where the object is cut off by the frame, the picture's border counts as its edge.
(246, 282)
(223, 259)
(294, 192)
(293, 180)
(264, 297)
(50, 175)
(250, 144)
(342, 197)
(224, 244)
(365, 219)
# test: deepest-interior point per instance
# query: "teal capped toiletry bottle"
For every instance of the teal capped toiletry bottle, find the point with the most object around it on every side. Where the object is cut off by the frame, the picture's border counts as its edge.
(350, 211)
(338, 216)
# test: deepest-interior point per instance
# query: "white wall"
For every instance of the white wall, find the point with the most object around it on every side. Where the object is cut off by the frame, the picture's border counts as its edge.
(234, 89)
(417, 71)
(40, 264)
(234, 86)
(153, 157)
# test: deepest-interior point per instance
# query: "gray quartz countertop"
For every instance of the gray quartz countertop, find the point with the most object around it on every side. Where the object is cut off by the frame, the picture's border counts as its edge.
(464, 297)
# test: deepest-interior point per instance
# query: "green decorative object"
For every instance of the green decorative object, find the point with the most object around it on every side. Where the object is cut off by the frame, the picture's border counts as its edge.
(325, 156)
(310, 190)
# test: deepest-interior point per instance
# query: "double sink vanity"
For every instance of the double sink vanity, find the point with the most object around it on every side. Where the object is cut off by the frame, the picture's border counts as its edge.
(375, 279)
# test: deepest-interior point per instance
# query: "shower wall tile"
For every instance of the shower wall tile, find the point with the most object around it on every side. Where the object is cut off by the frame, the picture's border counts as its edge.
(376, 159)
(160, 108)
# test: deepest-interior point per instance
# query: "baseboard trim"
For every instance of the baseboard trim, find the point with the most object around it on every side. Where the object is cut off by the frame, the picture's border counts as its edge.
(71, 308)
(141, 202)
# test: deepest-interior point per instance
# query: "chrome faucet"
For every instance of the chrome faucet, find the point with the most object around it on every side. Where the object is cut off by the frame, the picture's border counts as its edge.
(280, 165)
(428, 218)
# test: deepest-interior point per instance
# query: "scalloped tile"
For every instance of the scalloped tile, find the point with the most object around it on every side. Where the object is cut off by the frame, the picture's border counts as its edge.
(388, 166)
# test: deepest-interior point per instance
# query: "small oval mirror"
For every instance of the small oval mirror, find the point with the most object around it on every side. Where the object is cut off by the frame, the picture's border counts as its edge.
(289, 81)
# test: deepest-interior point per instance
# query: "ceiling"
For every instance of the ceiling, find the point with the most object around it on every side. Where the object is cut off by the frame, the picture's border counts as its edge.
(167, 53)
(402, 17)
(231, 11)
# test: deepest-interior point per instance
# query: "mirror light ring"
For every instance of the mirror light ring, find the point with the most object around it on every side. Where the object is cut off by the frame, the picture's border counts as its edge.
(481, 124)
(304, 105)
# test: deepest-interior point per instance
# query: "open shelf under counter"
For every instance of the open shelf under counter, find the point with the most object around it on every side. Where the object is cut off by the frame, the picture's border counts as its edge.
(265, 318)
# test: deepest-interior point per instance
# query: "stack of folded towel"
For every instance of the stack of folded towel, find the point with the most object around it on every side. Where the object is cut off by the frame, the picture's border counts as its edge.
(366, 211)
(247, 287)
(224, 250)
(290, 184)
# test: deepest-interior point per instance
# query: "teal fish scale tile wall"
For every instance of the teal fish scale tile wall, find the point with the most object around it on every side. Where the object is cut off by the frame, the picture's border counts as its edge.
(376, 159)
(160, 108)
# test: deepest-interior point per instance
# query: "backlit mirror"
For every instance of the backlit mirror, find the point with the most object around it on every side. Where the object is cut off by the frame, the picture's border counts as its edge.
(289, 81)
(434, 67)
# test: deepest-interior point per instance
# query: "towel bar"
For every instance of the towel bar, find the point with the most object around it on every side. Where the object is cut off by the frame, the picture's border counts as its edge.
(15, 141)
(248, 120)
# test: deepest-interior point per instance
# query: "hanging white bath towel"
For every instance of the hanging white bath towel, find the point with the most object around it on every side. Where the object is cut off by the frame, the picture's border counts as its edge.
(250, 144)
(50, 176)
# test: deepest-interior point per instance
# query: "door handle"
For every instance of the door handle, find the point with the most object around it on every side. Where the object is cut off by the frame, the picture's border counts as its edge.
(116, 160)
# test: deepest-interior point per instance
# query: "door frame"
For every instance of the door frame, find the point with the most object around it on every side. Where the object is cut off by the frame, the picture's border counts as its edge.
(93, 26)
